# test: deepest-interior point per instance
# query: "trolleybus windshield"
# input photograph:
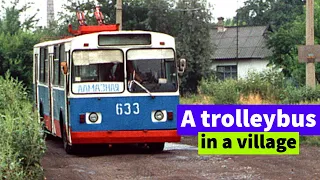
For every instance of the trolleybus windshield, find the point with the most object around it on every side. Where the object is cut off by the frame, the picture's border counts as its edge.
(154, 69)
(97, 71)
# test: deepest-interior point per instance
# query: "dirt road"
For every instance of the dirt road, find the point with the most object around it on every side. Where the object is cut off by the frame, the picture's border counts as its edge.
(178, 161)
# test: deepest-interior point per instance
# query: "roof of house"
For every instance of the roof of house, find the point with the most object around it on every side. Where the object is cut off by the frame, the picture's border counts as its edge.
(251, 43)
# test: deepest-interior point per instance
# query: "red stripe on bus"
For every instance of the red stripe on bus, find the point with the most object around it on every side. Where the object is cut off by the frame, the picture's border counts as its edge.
(47, 121)
(147, 136)
(57, 126)
(48, 124)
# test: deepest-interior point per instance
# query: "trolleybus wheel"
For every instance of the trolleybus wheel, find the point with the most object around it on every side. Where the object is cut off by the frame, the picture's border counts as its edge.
(68, 148)
(156, 147)
(44, 129)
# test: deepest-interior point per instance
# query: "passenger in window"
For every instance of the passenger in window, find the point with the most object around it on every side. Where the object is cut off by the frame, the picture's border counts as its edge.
(131, 70)
(106, 72)
(119, 72)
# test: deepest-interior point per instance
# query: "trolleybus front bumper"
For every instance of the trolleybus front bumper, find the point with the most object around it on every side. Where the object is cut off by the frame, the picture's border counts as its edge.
(142, 136)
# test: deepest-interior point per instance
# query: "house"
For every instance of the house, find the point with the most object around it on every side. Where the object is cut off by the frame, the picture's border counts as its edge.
(239, 50)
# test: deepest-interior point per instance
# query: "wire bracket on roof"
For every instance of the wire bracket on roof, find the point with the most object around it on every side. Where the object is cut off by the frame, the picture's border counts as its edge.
(85, 29)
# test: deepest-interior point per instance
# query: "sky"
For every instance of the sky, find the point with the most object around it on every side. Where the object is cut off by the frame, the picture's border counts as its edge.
(225, 8)
(221, 8)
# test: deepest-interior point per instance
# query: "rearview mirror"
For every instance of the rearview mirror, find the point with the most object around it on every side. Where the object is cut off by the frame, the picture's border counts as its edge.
(64, 67)
(182, 66)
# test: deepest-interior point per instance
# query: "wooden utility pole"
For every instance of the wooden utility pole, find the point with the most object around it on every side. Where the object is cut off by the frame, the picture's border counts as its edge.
(119, 14)
(310, 66)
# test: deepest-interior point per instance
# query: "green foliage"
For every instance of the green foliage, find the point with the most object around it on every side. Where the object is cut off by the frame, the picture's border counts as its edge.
(16, 45)
(16, 55)
(222, 92)
(21, 138)
(11, 23)
(294, 95)
(274, 12)
(268, 84)
(193, 42)
(271, 86)
(288, 19)
(310, 140)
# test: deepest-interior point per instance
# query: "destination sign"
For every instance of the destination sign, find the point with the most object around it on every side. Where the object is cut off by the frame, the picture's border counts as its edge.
(124, 39)
(101, 87)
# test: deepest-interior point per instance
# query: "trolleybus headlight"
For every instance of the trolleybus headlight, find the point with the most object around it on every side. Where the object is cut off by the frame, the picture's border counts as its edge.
(93, 117)
(158, 115)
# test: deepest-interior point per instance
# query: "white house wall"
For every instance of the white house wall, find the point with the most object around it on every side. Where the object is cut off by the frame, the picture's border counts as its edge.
(243, 66)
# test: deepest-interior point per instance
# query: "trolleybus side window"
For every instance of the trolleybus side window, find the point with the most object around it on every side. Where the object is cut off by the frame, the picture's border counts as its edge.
(46, 65)
(62, 58)
(56, 66)
(42, 58)
(36, 68)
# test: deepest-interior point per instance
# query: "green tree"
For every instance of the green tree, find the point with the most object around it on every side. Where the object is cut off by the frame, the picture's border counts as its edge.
(137, 14)
(284, 44)
(193, 42)
(15, 42)
(274, 12)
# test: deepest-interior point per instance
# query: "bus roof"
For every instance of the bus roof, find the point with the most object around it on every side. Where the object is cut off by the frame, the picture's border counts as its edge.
(53, 42)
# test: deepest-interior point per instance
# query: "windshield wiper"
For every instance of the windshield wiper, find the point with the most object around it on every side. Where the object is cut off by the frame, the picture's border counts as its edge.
(144, 88)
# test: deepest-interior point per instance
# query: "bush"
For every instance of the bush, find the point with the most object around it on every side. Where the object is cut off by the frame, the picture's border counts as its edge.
(297, 95)
(21, 138)
(222, 92)
(268, 84)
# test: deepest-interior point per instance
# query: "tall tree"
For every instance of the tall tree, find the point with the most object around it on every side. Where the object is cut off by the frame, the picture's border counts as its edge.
(284, 43)
(15, 52)
(193, 42)
(274, 12)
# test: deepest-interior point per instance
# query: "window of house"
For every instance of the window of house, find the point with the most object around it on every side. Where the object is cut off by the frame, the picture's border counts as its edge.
(225, 72)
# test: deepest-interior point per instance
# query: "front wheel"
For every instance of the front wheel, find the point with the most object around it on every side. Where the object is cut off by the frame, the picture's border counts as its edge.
(67, 147)
(156, 147)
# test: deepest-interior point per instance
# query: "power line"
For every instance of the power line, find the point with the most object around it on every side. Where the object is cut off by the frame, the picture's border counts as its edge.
(194, 9)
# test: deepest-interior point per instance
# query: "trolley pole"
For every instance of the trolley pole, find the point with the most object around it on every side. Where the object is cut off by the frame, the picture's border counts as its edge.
(310, 65)
(119, 14)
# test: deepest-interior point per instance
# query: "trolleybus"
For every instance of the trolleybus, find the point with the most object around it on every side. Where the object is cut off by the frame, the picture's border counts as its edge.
(109, 87)
(105, 86)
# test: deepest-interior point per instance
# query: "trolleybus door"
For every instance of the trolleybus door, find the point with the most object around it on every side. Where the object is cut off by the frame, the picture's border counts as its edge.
(67, 88)
(50, 93)
(36, 71)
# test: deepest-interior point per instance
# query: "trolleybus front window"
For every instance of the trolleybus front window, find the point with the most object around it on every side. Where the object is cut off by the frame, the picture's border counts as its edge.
(97, 71)
(154, 69)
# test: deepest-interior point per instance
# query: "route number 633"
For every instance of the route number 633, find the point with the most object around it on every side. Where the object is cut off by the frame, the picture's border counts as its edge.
(127, 108)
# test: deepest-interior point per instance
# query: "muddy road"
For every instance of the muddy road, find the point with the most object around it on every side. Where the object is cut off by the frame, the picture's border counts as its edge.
(178, 161)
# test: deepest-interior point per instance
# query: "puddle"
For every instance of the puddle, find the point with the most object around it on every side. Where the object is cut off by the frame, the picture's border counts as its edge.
(176, 146)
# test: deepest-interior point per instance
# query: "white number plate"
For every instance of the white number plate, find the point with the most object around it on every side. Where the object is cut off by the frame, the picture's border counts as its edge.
(127, 108)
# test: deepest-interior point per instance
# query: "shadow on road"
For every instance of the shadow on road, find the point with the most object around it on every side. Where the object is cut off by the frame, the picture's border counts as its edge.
(100, 149)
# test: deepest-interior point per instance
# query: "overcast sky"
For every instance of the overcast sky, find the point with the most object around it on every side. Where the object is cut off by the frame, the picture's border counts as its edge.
(222, 8)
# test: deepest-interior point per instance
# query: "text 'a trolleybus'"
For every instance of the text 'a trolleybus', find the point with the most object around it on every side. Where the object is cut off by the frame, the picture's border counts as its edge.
(109, 87)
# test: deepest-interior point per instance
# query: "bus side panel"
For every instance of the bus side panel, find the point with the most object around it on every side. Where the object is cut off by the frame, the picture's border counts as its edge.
(44, 108)
(114, 119)
(58, 109)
